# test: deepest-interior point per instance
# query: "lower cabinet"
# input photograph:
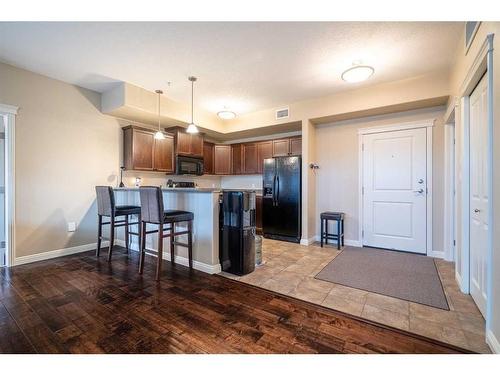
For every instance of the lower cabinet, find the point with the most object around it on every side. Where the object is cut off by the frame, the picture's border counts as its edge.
(258, 214)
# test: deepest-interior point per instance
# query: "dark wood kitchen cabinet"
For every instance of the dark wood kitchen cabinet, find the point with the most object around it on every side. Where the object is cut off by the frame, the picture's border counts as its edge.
(187, 144)
(250, 158)
(237, 158)
(287, 147)
(222, 159)
(142, 152)
(208, 157)
(264, 151)
(296, 146)
(258, 214)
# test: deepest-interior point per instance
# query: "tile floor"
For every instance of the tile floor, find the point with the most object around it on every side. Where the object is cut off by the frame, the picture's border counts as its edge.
(290, 269)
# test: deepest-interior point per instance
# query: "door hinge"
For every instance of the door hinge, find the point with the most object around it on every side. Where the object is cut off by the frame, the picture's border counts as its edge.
(363, 190)
(362, 233)
(362, 147)
(454, 243)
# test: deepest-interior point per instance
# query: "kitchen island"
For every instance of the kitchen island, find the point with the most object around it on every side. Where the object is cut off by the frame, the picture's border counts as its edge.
(204, 204)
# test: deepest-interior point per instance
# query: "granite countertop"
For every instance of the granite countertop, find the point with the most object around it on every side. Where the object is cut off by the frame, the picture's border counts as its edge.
(188, 190)
(193, 190)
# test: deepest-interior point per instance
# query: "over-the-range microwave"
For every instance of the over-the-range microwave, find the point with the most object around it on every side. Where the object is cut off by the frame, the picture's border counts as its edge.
(189, 165)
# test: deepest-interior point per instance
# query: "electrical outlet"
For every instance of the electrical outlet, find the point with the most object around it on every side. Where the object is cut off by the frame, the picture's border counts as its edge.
(71, 226)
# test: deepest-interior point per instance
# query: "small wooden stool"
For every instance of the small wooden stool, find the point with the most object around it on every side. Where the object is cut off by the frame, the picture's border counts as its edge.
(339, 218)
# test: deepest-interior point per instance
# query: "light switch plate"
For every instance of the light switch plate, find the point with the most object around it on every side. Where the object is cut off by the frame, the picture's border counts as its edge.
(71, 226)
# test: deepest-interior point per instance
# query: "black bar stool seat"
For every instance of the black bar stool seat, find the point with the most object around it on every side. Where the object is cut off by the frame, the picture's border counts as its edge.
(106, 207)
(325, 236)
(127, 210)
(173, 216)
(153, 212)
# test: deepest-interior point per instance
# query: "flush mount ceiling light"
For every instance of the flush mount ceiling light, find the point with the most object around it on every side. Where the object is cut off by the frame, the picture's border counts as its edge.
(159, 133)
(192, 127)
(358, 73)
(225, 114)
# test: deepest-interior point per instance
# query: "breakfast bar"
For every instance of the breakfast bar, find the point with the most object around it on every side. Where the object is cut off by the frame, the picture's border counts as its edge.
(204, 203)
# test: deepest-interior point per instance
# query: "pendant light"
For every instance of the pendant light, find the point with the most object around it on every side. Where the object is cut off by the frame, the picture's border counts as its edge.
(159, 133)
(192, 127)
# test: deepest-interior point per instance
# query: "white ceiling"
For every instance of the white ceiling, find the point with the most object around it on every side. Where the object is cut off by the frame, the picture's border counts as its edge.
(244, 66)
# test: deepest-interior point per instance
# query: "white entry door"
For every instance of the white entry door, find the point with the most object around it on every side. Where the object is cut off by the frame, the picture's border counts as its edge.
(395, 190)
(479, 193)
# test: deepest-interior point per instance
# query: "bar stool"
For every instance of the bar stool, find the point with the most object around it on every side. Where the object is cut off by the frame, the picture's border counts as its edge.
(153, 212)
(339, 218)
(106, 207)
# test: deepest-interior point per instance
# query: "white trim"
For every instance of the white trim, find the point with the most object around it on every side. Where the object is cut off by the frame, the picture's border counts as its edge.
(10, 220)
(428, 125)
(436, 254)
(449, 192)
(308, 241)
(492, 341)
(399, 126)
(478, 67)
(8, 109)
(465, 204)
(197, 265)
(56, 253)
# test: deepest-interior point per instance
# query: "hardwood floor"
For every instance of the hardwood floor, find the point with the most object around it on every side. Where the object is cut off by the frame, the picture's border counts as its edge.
(80, 304)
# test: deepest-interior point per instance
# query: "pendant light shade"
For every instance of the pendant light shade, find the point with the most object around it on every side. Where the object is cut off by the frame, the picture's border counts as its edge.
(159, 133)
(192, 128)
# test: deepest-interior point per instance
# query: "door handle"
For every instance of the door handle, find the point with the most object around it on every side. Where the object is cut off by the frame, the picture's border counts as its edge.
(274, 190)
(420, 181)
(278, 192)
(420, 191)
(476, 210)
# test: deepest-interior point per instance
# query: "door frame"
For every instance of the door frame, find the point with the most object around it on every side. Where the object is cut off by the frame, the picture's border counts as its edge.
(428, 125)
(10, 112)
(450, 203)
(483, 64)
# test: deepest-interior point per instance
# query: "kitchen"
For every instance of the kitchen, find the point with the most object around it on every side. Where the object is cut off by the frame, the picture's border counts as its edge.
(194, 170)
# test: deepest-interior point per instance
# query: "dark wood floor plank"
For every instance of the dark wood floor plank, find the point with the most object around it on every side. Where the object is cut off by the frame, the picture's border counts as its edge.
(80, 304)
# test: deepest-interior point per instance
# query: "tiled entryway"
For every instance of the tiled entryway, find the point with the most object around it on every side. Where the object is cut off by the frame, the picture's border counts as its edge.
(290, 269)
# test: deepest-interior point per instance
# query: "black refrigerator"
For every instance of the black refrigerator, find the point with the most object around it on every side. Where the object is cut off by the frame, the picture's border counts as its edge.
(281, 198)
(237, 231)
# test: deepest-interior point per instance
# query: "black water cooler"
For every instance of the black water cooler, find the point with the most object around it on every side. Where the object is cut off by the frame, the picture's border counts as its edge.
(237, 231)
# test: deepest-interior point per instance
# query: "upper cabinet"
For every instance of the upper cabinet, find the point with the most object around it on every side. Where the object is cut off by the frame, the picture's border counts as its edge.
(264, 151)
(237, 158)
(187, 144)
(250, 158)
(287, 146)
(141, 151)
(222, 159)
(208, 157)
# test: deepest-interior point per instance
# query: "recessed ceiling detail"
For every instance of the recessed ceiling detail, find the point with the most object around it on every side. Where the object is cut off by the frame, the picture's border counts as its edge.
(273, 65)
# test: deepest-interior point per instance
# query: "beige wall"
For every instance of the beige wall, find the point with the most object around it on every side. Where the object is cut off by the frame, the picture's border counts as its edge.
(459, 74)
(64, 147)
(337, 178)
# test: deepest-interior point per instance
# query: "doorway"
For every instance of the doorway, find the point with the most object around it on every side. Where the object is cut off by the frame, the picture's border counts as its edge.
(479, 194)
(395, 165)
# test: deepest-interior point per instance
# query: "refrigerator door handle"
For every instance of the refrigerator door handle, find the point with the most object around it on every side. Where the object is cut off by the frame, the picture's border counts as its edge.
(274, 190)
(278, 191)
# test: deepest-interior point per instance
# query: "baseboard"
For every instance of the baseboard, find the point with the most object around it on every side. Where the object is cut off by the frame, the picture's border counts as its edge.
(56, 253)
(492, 341)
(436, 254)
(200, 266)
(309, 241)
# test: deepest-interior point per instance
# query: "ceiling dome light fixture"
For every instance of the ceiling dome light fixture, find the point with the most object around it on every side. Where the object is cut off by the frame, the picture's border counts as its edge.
(226, 114)
(159, 133)
(192, 128)
(357, 73)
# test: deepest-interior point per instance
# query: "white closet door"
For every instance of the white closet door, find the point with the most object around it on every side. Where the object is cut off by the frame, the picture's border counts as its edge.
(479, 193)
(395, 190)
